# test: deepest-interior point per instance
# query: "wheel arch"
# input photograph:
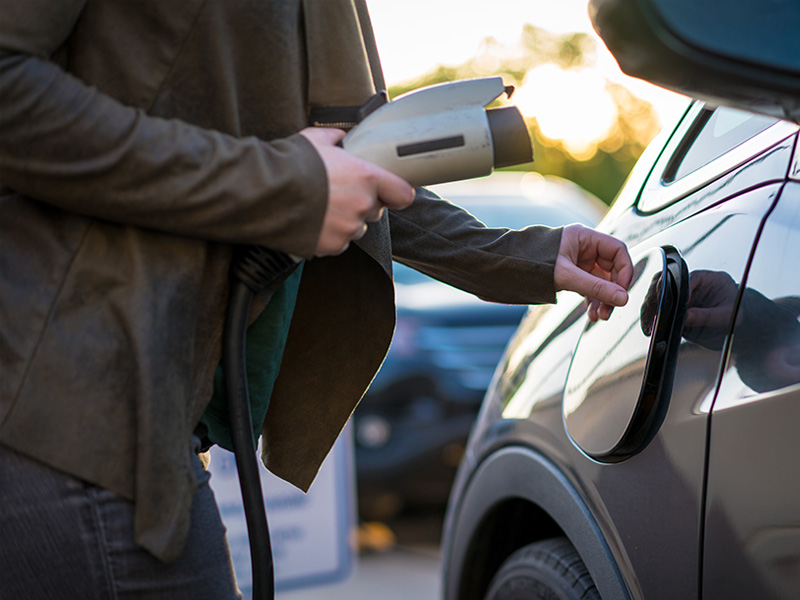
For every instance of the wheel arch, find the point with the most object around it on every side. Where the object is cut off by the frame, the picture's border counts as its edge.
(515, 497)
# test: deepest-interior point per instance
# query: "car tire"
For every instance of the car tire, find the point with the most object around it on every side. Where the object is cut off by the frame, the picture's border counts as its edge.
(546, 570)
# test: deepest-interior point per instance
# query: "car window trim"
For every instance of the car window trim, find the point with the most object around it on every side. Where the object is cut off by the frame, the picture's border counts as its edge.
(662, 193)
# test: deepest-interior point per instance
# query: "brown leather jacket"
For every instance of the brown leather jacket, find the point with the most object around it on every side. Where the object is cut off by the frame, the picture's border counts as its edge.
(140, 141)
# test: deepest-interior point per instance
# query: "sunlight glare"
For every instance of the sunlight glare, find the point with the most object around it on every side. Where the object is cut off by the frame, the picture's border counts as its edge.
(572, 106)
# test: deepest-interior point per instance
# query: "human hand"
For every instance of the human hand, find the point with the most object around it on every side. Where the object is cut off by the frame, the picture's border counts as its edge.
(358, 192)
(712, 298)
(712, 295)
(596, 266)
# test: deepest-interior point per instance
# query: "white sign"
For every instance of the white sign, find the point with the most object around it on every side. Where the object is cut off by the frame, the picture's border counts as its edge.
(310, 533)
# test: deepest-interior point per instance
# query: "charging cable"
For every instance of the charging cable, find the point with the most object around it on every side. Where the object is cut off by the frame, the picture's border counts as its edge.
(253, 270)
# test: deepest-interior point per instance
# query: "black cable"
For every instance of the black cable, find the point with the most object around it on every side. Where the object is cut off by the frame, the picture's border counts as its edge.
(253, 270)
(234, 369)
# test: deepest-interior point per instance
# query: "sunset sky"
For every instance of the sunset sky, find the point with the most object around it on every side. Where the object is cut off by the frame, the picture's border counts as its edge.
(416, 35)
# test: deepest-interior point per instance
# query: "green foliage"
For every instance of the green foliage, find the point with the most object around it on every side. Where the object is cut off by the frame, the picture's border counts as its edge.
(602, 174)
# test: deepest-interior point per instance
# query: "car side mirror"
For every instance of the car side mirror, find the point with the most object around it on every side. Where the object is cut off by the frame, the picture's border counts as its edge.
(744, 53)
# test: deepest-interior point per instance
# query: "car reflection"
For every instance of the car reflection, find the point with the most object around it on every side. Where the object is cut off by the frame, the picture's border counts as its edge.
(766, 342)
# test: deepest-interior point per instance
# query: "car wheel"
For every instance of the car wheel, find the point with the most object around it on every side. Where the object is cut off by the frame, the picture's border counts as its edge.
(546, 570)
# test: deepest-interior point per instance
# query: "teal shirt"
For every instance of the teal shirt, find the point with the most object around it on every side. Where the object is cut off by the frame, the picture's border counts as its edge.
(266, 339)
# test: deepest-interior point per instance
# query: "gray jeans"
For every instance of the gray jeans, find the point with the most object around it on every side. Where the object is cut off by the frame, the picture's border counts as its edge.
(61, 538)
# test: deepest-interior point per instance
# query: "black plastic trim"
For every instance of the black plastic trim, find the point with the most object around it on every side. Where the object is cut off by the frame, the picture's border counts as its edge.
(456, 141)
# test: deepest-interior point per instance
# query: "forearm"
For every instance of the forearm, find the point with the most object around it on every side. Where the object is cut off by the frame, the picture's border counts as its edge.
(499, 265)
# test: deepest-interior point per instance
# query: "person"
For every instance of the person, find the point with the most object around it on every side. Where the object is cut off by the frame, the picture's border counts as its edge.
(141, 142)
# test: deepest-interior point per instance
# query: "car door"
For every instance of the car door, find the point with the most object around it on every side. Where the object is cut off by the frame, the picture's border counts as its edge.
(752, 524)
(641, 385)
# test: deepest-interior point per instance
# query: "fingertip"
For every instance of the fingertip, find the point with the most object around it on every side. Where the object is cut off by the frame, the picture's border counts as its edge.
(591, 309)
(412, 195)
(620, 298)
(605, 312)
(395, 192)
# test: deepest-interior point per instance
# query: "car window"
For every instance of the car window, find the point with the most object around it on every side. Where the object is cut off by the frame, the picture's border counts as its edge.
(705, 144)
(715, 133)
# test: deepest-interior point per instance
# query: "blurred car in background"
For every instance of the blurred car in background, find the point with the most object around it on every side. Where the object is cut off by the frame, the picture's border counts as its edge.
(412, 426)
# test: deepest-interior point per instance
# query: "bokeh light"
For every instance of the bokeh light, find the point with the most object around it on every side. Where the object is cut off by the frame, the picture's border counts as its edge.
(571, 106)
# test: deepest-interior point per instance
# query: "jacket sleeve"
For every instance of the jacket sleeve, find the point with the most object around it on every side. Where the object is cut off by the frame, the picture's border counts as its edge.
(67, 144)
(442, 240)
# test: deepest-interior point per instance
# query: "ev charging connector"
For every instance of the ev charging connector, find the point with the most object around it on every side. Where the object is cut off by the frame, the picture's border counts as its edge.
(443, 133)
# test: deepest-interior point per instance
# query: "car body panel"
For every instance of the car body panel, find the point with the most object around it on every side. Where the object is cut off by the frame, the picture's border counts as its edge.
(647, 508)
(674, 459)
(752, 535)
